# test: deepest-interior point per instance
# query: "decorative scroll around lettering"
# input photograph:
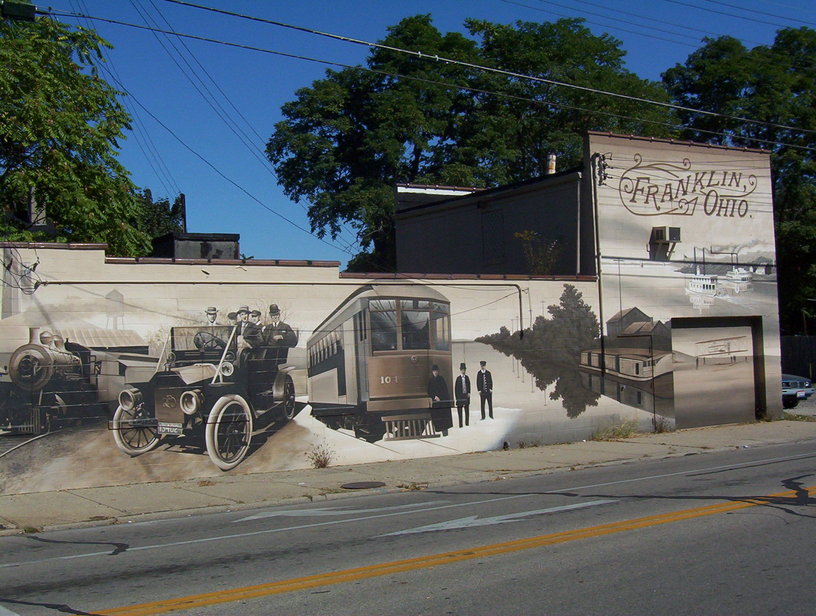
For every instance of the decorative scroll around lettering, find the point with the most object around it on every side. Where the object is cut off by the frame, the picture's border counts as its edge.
(665, 188)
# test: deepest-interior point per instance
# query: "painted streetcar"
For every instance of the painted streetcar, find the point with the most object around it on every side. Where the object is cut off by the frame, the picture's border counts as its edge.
(370, 363)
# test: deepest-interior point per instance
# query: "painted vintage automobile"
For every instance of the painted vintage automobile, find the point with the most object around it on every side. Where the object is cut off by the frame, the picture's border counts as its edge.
(209, 381)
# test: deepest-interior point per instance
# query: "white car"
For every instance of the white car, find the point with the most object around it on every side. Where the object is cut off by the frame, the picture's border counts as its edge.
(794, 389)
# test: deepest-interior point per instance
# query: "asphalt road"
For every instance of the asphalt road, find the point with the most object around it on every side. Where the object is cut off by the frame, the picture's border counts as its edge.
(723, 533)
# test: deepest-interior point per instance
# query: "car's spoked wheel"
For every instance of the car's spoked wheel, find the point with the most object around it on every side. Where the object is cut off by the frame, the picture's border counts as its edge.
(134, 431)
(289, 406)
(229, 432)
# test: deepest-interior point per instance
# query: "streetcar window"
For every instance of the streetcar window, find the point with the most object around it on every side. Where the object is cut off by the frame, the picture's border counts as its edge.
(440, 326)
(415, 329)
(383, 324)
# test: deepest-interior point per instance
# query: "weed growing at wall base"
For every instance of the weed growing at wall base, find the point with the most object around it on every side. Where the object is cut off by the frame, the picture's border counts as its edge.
(320, 455)
(625, 429)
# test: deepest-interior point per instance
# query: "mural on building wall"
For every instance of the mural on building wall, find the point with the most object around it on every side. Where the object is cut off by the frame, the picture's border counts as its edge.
(68, 375)
(633, 364)
(380, 375)
(686, 232)
(551, 350)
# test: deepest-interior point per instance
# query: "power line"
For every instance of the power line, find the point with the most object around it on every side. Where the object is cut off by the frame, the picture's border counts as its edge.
(445, 84)
(437, 58)
(143, 139)
(741, 8)
(219, 110)
(597, 23)
(727, 14)
(659, 21)
(202, 89)
(224, 176)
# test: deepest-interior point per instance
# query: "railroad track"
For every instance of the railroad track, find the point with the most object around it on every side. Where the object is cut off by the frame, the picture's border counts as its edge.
(8, 442)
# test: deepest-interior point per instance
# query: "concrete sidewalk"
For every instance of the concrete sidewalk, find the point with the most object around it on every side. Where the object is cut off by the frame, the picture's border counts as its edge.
(39, 511)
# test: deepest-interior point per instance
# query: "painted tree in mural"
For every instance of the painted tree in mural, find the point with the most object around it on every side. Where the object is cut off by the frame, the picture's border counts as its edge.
(550, 350)
(348, 138)
(59, 125)
(775, 85)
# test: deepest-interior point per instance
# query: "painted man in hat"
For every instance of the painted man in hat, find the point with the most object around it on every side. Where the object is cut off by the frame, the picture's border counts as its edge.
(212, 315)
(484, 383)
(461, 390)
(255, 317)
(208, 340)
(278, 335)
(438, 389)
(249, 332)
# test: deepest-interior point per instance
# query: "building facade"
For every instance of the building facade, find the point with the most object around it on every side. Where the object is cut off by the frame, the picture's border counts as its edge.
(659, 308)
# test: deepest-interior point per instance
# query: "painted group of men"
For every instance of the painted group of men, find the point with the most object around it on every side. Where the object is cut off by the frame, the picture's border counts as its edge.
(253, 332)
(438, 391)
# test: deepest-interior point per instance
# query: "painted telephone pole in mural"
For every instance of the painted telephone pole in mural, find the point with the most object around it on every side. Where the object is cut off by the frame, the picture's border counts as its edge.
(551, 349)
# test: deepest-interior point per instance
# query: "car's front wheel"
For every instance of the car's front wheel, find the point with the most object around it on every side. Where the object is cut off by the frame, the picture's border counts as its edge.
(229, 431)
(134, 431)
(790, 402)
(289, 403)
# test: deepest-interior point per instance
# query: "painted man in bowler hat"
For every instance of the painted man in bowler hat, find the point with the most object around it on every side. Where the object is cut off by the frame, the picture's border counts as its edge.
(212, 315)
(278, 335)
(438, 389)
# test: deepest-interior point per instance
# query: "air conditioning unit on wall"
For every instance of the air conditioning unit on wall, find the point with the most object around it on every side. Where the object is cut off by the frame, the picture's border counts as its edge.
(665, 235)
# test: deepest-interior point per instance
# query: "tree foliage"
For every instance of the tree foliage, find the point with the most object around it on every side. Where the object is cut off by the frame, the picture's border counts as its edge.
(347, 139)
(774, 84)
(160, 217)
(59, 126)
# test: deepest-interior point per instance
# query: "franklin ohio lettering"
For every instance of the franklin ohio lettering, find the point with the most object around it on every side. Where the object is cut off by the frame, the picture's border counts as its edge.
(667, 188)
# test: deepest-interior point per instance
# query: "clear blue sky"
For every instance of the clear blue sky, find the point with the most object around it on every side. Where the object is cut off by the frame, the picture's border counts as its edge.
(656, 35)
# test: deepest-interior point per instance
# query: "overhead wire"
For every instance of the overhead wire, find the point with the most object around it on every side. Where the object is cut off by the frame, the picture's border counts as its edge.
(204, 90)
(344, 244)
(436, 82)
(640, 16)
(727, 14)
(597, 23)
(142, 137)
(758, 12)
(488, 69)
(222, 174)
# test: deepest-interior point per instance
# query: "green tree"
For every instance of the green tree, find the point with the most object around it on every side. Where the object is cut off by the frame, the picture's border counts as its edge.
(348, 138)
(512, 136)
(59, 126)
(160, 217)
(776, 85)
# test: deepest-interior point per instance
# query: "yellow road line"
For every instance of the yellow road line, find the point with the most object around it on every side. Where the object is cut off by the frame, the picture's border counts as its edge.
(435, 560)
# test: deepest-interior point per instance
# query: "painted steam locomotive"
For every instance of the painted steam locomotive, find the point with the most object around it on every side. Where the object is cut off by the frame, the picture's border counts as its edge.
(50, 381)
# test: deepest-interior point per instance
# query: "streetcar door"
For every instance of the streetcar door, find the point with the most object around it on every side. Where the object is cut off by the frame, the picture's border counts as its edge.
(362, 347)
